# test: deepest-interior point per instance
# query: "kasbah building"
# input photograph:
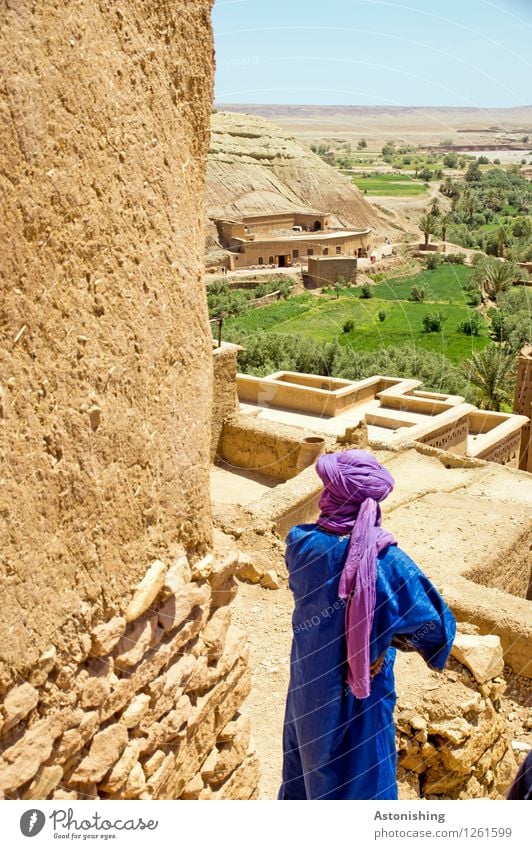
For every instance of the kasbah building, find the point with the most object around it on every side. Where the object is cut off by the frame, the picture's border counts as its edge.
(287, 239)
(136, 543)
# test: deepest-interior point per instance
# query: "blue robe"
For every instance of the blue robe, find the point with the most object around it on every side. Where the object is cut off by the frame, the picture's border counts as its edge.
(336, 746)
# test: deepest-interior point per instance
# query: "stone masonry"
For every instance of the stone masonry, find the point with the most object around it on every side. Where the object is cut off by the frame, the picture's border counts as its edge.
(149, 706)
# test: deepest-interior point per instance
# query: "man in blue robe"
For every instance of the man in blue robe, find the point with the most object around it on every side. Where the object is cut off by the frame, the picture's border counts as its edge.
(357, 595)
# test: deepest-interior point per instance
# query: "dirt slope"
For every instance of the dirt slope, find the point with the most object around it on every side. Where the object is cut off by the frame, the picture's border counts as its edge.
(255, 167)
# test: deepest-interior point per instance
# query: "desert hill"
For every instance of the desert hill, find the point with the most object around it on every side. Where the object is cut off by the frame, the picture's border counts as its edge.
(255, 167)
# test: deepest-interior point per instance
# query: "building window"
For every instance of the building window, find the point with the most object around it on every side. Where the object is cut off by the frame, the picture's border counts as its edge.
(325, 251)
(261, 261)
(270, 261)
(310, 252)
(338, 249)
(295, 254)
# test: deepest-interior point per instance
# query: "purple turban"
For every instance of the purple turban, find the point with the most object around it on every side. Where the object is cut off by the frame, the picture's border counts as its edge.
(354, 482)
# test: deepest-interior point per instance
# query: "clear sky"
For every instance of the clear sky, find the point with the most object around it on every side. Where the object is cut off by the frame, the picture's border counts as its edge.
(361, 52)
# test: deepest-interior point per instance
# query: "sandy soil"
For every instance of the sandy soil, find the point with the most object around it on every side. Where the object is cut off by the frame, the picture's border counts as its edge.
(265, 616)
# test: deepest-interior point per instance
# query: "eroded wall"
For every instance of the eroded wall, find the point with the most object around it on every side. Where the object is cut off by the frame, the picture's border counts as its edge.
(104, 349)
(119, 674)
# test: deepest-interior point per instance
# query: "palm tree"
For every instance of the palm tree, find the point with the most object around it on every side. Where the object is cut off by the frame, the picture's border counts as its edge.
(504, 234)
(435, 207)
(427, 225)
(492, 372)
(494, 276)
(446, 220)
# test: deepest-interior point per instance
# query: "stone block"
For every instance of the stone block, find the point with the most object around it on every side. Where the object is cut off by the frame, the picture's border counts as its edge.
(153, 763)
(135, 711)
(163, 732)
(106, 636)
(157, 781)
(147, 591)
(228, 756)
(224, 593)
(136, 783)
(177, 608)
(270, 580)
(105, 750)
(136, 641)
(243, 782)
(215, 632)
(482, 655)
(248, 570)
(18, 703)
(239, 726)
(179, 575)
(94, 692)
(44, 782)
(456, 730)
(43, 667)
(193, 788)
(120, 772)
(21, 761)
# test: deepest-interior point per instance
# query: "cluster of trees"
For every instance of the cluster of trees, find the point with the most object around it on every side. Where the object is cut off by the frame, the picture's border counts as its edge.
(223, 301)
(406, 157)
(499, 198)
(267, 352)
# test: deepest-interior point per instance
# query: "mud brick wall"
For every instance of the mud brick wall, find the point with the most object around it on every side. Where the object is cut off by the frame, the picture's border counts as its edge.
(105, 349)
(148, 707)
(116, 679)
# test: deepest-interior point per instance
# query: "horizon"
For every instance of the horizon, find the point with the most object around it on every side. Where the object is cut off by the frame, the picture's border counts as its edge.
(381, 106)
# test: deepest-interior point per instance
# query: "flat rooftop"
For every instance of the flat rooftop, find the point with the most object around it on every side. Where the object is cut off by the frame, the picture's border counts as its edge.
(319, 235)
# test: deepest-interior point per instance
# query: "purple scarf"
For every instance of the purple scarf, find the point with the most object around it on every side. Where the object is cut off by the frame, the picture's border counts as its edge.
(354, 482)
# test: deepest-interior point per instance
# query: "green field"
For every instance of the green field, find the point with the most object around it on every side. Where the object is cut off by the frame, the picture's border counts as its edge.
(443, 285)
(390, 184)
(322, 317)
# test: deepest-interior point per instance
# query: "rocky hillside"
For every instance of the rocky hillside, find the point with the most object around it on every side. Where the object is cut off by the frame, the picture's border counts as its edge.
(255, 167)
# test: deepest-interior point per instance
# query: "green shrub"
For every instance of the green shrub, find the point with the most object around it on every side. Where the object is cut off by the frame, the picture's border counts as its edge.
(455, 259)
(367, 291)
(471, 326)
(433, 322)
(349, 325)
(382, 315)
(433, 261)
(418, 293)
(474, 297)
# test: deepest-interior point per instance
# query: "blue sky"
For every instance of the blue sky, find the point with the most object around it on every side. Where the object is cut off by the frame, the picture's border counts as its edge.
(412, 53)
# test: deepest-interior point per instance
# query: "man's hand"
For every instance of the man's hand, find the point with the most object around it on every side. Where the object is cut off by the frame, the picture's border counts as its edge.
(376, 667)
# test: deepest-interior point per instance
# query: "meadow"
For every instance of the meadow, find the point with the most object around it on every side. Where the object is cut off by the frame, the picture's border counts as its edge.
(323, 317)
(391, 185)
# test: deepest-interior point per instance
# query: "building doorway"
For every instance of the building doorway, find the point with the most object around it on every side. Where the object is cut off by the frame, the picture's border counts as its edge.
(317, 225)
(284, 261)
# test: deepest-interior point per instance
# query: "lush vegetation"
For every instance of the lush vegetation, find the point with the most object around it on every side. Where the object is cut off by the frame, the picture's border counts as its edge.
(355, 321)
(389, 184)
(490, 211)
(224, 301)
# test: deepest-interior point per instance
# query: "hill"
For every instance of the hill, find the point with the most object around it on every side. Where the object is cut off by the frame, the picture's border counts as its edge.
(255, 167)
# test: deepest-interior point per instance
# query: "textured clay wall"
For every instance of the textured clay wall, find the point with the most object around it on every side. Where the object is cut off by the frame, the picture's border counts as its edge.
(105, 358)
(120, 675)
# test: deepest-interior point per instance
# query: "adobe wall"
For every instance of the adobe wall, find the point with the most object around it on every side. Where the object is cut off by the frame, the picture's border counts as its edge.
(225, 399)
(523, 404)
(330, 270)
(116, 676)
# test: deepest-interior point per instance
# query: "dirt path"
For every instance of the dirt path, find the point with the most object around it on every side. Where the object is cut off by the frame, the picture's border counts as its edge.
(265, 616)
